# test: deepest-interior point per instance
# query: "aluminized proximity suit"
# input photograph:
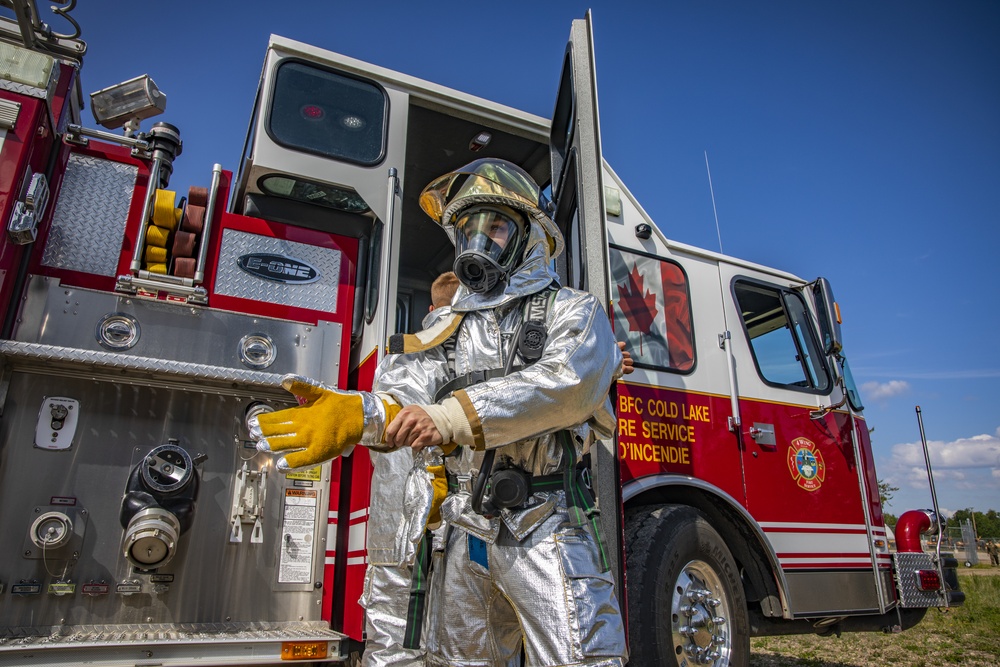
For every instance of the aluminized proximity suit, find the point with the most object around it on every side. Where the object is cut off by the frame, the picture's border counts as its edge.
(534, 573)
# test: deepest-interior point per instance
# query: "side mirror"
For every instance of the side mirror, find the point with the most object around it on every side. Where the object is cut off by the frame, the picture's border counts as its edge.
(828, 313)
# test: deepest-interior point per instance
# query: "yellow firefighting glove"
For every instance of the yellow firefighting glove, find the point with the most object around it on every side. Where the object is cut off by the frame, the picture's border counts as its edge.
(439, 482)
(326, 423)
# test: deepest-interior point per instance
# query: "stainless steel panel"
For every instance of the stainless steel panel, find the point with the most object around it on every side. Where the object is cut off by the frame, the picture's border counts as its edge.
(174, 339)
(88, 225)
(209, 581)
(231, 280)
(831, 593)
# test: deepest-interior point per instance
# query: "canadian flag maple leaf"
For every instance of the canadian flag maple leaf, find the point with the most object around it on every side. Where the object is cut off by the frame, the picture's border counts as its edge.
(639, 308)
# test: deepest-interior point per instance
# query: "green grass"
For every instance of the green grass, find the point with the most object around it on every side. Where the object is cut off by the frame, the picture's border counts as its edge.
(966, 636)
(977, 622)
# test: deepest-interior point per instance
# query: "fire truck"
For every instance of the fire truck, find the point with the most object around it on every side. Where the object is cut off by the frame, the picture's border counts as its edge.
(142, 327)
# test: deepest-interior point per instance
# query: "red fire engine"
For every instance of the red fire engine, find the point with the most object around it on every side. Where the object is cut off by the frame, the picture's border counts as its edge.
(142, 327)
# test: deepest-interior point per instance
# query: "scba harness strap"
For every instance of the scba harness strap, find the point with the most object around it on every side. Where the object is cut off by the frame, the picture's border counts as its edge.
(532, 333)
(511, 487)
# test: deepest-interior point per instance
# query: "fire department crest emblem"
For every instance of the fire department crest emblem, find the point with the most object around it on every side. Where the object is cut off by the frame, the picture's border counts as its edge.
(806, 464)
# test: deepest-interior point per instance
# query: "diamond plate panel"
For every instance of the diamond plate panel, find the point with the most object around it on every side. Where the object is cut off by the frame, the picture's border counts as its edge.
(49, 355)
(156, 633)
(24, 89)
(231, 280)
(202, 338)
(907, 564)
(88, 225)
(229, 643)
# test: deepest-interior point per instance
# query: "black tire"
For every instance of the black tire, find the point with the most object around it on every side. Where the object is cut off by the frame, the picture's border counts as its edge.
(686, 604)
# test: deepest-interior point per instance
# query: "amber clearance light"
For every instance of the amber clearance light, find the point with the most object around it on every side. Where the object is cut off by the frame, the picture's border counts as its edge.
(304, 650)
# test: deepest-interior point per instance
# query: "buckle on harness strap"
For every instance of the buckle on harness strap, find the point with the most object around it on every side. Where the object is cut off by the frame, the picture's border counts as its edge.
(457, 483)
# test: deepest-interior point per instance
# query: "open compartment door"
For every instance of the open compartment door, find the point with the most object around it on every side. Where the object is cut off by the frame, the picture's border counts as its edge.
(577, 167)
(578, 190)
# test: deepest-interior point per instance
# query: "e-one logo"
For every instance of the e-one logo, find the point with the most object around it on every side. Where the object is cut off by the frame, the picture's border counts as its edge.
(278, 268)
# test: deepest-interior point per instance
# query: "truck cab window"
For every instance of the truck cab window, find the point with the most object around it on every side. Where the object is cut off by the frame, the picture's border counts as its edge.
(781, 337)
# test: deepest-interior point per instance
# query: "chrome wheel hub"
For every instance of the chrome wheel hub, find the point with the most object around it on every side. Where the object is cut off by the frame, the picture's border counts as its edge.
(700, 617)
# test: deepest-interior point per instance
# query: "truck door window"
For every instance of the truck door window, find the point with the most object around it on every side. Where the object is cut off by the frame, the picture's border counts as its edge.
(651, 311)
(374, 272)
(329, 114)
(781, 337)
(852, 388)
(567, 218)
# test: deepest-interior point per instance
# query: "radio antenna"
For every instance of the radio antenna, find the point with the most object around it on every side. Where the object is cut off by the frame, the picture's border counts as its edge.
(714, 209)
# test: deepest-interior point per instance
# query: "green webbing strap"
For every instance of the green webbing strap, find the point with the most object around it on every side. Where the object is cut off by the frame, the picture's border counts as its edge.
(418, 593)
(580, 502)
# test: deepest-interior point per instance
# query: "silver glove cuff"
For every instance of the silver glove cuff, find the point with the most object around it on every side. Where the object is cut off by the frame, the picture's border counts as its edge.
(374, 411)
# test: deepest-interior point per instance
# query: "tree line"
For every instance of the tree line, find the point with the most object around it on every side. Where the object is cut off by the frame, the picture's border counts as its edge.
(987, 523)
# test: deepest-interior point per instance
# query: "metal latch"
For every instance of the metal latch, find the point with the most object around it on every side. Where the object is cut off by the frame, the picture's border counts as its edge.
(248, 504)
(23, 226)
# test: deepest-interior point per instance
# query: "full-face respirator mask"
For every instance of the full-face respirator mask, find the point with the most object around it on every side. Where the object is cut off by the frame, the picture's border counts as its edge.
(489, 244)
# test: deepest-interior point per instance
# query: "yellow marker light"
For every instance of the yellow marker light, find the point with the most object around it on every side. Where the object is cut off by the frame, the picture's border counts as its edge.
(304, 650)
(836, 310)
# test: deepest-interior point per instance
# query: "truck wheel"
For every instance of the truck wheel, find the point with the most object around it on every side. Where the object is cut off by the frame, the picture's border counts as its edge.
(686, 604)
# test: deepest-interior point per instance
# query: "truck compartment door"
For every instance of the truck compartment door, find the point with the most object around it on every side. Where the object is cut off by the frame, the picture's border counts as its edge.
(578, 190)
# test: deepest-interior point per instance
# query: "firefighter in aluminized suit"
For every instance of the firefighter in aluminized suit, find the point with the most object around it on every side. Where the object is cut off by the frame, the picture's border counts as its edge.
(524, 397)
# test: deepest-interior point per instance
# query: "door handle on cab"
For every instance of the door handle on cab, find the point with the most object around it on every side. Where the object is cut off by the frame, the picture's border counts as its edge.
(763, 434)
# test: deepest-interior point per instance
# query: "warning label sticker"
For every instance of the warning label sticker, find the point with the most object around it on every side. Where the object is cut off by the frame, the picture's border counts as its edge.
(311, 475)
(297, 525)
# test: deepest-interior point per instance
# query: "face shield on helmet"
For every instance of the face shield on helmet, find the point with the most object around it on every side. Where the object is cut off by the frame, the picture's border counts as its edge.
(489, 243)
(488, 178)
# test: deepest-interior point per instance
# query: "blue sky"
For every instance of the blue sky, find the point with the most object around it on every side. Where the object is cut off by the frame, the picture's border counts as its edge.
(855, 140)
